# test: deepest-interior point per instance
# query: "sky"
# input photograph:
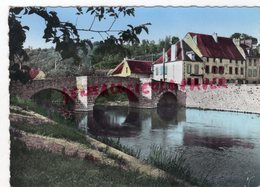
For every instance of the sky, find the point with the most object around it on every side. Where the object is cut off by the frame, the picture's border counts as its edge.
(166, 21)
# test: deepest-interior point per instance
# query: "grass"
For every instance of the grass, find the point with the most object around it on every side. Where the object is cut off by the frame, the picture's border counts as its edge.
(119, 146)
(54, 130)
(27, 104)
(112, 98)
(175, 164)
(40, 168)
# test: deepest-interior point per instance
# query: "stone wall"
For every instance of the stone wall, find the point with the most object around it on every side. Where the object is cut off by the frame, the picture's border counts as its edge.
(243, 98)
(142, 93)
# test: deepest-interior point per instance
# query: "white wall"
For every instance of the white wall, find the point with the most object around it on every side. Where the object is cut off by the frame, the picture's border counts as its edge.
(146, 89)
(174, 72)
(82, 84)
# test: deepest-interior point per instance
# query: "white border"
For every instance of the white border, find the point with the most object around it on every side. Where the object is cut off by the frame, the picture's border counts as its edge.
(4, 93)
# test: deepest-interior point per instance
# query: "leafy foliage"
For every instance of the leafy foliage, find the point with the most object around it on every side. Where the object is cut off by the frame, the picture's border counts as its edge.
(16, 35)
(65, 35)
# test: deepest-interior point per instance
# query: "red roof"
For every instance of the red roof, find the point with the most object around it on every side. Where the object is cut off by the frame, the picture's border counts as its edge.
(136, 66)
(142, 67)
(33, 72)
(223, 48)
(160, 59)
(180, 53)
(118, 69)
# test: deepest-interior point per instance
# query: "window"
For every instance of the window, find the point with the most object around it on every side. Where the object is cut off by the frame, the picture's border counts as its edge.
(214, 81)
(236, 61)
(207, 69)
(161, 70)
(156, 71)
(254, 62)
(236, 70)
(126, 69)
(166, 70)
(222, 81)
(196, 81)
(214, 69)
(207, 59)
(220, 60)
(189, 68)
(230, 60)
(249, 72)
(242, 61)
(205, 81)
(254, 73)
(230, 70)
(214, 59)
(189, 81)
(250, 62)
(221, 69)
(196, 69)
(242, 71)
(191, 55)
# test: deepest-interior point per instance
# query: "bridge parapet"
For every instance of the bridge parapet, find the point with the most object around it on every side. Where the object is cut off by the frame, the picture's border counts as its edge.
(84, 90)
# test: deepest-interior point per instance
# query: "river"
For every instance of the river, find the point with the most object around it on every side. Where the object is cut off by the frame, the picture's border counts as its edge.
(224, 144)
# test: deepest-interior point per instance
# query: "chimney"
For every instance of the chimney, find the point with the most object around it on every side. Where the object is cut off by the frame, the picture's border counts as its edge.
(236, 41)
(215, 36)
(173, 52)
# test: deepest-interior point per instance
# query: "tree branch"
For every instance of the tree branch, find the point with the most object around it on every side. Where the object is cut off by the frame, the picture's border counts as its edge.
(92, 22)
(99, 31)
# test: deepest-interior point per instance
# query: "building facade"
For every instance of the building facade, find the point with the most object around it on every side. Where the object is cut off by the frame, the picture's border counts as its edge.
(182, 65)
(209, 59)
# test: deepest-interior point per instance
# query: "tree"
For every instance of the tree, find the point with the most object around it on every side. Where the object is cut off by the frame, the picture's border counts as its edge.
(65, 35)
(244, 36)
(106, 54)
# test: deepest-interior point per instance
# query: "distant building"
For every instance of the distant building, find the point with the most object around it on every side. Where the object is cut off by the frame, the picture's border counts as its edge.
(181, 64)
(133, 68)
(202, 58)
(220, 55)
(252, 57)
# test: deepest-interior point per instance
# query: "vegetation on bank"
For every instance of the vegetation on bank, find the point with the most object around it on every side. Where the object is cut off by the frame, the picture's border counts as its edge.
(27, 104)
(29, 168)
(55, 131)
(121, 97)
(171, 162)
(174, 163)
(117, 145)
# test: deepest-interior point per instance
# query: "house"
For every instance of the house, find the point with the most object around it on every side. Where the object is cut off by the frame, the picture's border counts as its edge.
(252, 57)
(181, 64)
(221, 57)
(132, 68)
(202, 59)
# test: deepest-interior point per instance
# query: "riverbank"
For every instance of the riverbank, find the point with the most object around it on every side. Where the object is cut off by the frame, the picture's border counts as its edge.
(114, 103)
(234, 98)
(37, 133)
(34, 167)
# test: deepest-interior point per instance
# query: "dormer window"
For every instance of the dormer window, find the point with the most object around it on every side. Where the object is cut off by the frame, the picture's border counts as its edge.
(191, 55)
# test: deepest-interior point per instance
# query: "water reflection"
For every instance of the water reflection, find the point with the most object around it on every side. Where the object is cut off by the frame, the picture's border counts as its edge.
(228, 142)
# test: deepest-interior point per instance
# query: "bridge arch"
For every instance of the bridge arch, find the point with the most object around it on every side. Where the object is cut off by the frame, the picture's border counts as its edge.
(119, 89)
(53, 97)
(167, 99)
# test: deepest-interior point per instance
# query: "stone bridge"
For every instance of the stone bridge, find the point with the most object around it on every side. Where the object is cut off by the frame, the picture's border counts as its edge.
(84, 90)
